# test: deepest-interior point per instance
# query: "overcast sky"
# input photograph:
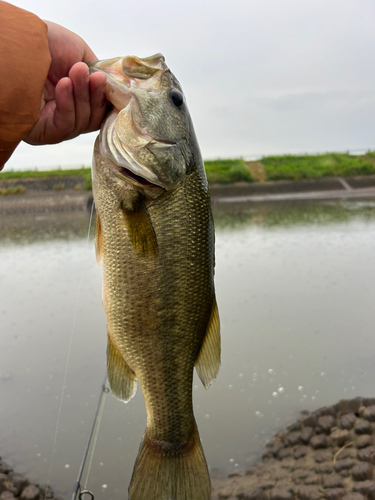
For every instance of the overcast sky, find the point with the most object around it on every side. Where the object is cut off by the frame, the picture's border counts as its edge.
(260, 76)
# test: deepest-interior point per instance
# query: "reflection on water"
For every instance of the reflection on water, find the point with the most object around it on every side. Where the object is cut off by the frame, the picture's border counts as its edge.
(25, 229)
(295, 287)
(286, 214)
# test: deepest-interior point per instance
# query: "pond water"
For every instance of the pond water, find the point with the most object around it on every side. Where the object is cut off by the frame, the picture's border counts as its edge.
(296, 293)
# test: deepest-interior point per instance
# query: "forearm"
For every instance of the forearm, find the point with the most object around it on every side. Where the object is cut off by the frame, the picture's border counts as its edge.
(24, 62)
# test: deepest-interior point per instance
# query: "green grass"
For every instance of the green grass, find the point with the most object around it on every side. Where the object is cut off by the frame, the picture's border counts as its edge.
(227, 171)
(83, 172)
(290, 167)
(12, 190)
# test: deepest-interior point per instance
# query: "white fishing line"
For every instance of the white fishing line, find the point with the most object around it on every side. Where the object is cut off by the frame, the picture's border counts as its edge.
(68, 356)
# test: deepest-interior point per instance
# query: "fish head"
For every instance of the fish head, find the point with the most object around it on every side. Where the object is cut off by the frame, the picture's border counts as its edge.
(148, 135)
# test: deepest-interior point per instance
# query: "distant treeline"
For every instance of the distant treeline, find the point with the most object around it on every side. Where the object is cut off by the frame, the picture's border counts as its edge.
(268, 168)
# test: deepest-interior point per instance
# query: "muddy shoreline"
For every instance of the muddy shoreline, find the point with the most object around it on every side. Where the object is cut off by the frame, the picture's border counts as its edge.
(327, 454)
(53, 196)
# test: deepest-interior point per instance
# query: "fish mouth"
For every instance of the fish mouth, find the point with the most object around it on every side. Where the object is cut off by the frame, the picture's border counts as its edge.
(122, 162)
(130, 67)
(126, 173)
(123, 73)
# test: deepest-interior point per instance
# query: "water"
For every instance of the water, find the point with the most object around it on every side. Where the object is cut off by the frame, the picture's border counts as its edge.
(295, 288)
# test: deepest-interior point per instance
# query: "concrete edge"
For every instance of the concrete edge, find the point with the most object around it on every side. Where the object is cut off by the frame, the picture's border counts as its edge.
(47, 200)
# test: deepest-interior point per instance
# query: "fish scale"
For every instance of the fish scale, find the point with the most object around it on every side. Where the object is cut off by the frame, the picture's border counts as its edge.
(156, 242)
(187, 290)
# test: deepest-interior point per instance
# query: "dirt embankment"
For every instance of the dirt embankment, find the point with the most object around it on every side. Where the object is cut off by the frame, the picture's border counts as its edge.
(53, 194)
(56, 194)
(328, 454)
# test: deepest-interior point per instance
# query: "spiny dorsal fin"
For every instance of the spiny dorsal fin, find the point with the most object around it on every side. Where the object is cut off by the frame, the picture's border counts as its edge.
(121, 378)
(98, 240)
(208, 360)
(141, 232)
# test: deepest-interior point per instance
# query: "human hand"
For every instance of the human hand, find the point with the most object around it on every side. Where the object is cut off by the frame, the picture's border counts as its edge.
(73, 101)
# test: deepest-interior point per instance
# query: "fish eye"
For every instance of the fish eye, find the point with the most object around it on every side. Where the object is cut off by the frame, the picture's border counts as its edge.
(177, 98)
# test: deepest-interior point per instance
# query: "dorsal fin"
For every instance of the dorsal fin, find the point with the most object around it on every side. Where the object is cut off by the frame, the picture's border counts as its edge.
(207, 363)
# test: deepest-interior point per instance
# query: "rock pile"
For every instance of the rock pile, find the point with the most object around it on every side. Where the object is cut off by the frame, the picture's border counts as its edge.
(14, 486)
(328, 454)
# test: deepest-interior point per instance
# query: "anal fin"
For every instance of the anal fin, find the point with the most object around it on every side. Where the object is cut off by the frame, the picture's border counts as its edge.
(207, 363)
(121, 378)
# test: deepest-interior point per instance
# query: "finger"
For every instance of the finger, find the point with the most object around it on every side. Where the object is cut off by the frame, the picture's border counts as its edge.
(57, 118)
(79, 74)
(97, 100)
(64, 119)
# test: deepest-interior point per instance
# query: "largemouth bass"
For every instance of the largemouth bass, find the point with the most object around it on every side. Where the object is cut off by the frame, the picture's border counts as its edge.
(155, 237)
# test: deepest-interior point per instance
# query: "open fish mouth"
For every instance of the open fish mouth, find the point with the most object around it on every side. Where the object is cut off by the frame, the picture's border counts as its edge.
(128, 174)
(123, 164)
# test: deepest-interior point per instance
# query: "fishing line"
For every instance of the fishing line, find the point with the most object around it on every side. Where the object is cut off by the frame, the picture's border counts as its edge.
(68, 356)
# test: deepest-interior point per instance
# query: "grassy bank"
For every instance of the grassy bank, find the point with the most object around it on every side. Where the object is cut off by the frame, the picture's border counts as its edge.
(290, 167)
(221, 171)
(268, 168)
(83, 172)
(227, 171)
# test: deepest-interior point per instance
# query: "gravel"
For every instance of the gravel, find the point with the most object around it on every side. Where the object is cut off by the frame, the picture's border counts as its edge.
(14, 485)
(328, 454)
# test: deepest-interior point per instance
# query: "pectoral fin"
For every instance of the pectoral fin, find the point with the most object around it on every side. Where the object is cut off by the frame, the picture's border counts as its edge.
(98, 240)
(208, 360)
(141, 231)
(121, 378)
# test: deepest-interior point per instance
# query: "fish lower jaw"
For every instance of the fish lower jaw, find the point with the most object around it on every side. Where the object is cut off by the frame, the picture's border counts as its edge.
(136, 179)
(120, 160)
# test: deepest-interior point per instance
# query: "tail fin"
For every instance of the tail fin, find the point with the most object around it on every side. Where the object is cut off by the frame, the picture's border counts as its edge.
(166, 472)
